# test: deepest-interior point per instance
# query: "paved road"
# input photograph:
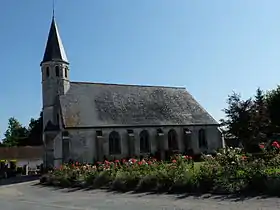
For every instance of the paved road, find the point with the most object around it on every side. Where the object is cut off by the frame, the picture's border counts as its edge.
(26, 196)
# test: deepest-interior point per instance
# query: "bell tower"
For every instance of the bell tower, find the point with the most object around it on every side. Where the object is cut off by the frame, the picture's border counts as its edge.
(55, 75)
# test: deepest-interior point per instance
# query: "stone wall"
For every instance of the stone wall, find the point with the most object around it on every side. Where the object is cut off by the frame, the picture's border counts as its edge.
(85, 146)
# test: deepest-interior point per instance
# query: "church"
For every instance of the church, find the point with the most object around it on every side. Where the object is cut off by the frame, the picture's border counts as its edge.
(88, 122)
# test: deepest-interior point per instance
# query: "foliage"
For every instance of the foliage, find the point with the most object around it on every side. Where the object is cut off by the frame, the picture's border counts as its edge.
(35, 130)
(15, 133)
(253, 120)
(18, 135)
(230, 171)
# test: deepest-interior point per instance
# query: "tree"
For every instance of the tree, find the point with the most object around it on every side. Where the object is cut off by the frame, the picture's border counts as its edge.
(16, 134)
(253, 120)
(35, 130)
(238, 119)
(261, 124)
(273, 104)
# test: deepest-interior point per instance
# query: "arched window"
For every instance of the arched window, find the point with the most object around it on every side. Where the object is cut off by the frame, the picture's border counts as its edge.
(47, 71)
(114, 143)
(57, 71)
(144, 142)
(172, 140)
(65, 72)
(202, 139)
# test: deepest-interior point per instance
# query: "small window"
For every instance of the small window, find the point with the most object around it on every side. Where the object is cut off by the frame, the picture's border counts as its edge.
(160, 132)
(130, 133)
(57, 71)
(187, 131)
(48, 71)
(65, 133)
(65, 72)
(99, 133)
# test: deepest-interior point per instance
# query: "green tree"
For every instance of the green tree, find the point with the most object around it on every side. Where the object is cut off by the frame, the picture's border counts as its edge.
(35, 130)
(16, 134)
(238, 119)
(260, 119)
(273, 104)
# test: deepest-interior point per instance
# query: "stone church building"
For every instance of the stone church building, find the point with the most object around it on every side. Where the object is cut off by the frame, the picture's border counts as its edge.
(89, 121)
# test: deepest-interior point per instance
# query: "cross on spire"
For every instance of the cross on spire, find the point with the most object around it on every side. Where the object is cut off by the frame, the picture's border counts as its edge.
(53, 7)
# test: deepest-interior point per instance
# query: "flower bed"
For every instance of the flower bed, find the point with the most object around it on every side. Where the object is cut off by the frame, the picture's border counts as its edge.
(229, 172)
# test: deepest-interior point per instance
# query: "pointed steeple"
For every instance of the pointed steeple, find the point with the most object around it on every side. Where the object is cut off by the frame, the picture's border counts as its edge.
(54, 49)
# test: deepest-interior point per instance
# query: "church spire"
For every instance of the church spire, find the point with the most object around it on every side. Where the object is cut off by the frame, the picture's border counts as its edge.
(54, 49)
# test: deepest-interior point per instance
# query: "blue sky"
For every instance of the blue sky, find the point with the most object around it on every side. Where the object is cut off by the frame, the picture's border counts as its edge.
(209, 47)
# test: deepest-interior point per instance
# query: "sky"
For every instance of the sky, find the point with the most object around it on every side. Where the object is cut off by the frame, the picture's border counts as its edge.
(210, 47)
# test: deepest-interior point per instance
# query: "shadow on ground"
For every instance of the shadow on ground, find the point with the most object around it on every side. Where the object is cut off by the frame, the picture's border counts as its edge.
(19, 179)
(231, 197)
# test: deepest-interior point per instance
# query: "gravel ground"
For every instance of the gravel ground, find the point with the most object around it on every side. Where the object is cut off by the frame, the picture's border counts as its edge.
(29, 196)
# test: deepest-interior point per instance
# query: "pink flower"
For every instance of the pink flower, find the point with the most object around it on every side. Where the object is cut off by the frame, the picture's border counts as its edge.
(243, 157)
(174, 161)
(276, 144)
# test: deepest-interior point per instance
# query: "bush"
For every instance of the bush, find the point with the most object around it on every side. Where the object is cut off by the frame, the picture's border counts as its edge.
(230, 171)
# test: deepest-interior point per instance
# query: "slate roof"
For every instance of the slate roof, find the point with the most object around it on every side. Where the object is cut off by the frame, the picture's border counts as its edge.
(98, 105)
(54, 49)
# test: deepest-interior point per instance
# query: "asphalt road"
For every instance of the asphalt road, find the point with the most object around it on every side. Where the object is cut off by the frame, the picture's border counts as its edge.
(27, 196)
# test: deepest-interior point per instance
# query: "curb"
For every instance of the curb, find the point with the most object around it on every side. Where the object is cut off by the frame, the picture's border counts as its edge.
(18, 184)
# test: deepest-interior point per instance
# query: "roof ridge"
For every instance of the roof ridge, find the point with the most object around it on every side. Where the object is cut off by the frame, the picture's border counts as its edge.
(133, 85)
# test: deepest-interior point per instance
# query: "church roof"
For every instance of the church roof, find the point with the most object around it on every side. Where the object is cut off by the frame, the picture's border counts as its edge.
(54, 50)
(110, 105)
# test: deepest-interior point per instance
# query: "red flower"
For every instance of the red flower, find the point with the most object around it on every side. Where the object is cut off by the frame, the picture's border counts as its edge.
(106, 162)
(117, 161)
(149, 163)
(99, 163)
(133, 160)
(276, 144)
(261, 146)
(77, 163)
(123, 160)
(174, 161)
(140, 163)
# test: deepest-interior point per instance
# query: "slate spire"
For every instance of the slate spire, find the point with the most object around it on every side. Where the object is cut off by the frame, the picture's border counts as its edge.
(54, 50)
